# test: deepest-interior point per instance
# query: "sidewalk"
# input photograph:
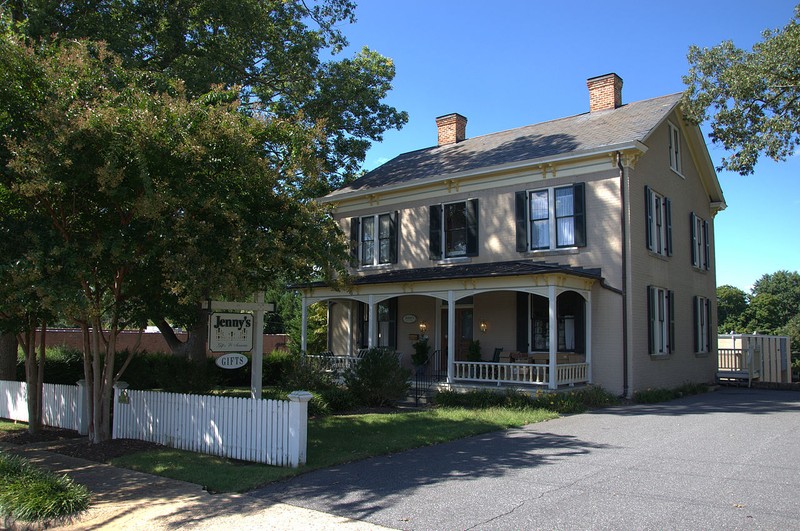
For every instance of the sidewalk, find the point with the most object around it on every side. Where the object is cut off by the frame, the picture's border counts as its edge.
(126, 499)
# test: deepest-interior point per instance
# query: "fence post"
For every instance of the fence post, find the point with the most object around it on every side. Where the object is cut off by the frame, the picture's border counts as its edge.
(119, 398)
(298, 427)
(82, 419)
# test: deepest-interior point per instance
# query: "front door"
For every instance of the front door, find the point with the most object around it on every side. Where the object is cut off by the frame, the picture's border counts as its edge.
(463, 333)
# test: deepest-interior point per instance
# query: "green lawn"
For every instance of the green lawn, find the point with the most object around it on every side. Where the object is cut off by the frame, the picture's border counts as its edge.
(335, 440)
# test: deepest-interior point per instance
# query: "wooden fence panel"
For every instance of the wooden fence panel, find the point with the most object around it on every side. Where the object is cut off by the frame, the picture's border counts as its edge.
(239, 428)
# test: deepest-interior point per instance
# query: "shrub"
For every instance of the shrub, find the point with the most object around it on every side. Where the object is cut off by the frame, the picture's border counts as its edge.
(652, 396)
(276, 365)
(378, 379)
(31, 494)
(562, 402)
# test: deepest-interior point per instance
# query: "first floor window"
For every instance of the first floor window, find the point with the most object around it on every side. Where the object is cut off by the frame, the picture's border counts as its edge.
(570, 322)
(375, 238)
(551, 218)
(454, 229)
(702, 324)
(661, 320)
(658, 214)
(386, 324)
(701, 247)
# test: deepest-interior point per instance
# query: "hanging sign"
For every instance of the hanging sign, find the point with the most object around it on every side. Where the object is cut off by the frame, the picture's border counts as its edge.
(230, 332)
(231, 361)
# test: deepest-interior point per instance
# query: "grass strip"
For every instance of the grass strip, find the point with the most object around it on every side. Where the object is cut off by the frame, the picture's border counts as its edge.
(32, 494)
(335, 440)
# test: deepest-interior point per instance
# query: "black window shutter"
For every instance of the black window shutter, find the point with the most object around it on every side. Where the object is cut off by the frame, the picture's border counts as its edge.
(523, 305)
(435, 244)
(696, 314)
(579, 206)
(693, 222)
(472, 227)
(394, 235)
(354, 226)
(668, 216)
(651, 320)
(520, 199)
(671, 300)
(707, 250)
(708, 325)
(648, 216)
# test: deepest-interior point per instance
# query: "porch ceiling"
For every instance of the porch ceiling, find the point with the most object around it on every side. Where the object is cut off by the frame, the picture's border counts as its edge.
(522, 275)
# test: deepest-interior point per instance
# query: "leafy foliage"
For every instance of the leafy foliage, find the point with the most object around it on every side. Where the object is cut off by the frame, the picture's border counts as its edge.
(378, 379)
(652, 396)
(563, 403)
(750, 97)
(31, 494)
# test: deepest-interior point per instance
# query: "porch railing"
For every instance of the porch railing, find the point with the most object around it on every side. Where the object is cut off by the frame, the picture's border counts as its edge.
(520, 373)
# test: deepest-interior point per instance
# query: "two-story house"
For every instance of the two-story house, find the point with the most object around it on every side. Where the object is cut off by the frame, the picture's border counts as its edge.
(578, 250)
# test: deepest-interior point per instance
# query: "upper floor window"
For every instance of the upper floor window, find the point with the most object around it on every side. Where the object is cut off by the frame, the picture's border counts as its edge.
(551, 218)
(701, 247)
(702, 325)
(454, 229)
(374, 239)
(660, 320)
(675, 148)
(658, 213)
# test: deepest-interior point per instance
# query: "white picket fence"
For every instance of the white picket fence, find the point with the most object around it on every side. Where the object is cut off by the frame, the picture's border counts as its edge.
(266, 431)
(63, 406)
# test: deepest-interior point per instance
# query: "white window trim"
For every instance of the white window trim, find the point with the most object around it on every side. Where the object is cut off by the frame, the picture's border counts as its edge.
(700, 229)
(375, 241)
(551, 220)
(660, 332)
(659, 237)
(675, 149)
(445, 255)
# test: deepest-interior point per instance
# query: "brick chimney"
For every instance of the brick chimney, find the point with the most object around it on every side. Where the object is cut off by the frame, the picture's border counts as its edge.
(452, 128)
(605, 92)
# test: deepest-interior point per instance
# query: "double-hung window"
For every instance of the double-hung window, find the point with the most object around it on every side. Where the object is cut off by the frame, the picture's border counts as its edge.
(454, 229)
(374, 239)
(551, 218)
(702, 324)
(701, 247)
(674, 148)
(658, 214)
(660, 320)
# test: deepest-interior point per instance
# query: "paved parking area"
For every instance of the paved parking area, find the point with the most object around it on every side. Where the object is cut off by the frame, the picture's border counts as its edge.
(724, 460)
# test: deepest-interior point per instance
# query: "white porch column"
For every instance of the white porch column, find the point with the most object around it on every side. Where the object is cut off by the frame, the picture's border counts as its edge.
(304, 326)
(552, 303)
(372, 339)
(588, 335)
(350, 328)
(451, 335)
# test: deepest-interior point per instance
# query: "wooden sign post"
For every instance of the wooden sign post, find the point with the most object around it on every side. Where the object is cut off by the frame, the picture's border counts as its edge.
(259, 307)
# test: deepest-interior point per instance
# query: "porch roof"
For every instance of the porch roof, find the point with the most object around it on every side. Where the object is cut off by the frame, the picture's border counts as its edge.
(457, 271)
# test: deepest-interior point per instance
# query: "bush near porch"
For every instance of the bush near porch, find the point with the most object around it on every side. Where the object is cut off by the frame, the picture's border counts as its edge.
(564, 403)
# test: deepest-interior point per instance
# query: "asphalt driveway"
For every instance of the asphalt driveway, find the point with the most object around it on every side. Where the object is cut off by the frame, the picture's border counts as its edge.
(724, 460)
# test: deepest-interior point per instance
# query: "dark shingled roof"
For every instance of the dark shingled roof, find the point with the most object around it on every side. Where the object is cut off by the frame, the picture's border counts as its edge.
(573, 135)
(448, 272)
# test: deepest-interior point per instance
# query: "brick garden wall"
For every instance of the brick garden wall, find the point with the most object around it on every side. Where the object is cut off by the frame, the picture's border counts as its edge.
(151, 341)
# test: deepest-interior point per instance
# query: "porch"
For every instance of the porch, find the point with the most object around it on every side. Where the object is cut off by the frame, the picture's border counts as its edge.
(515, 323)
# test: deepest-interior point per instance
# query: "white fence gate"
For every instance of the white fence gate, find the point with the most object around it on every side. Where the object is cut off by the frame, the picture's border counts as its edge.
(266, 431)
(63, 406)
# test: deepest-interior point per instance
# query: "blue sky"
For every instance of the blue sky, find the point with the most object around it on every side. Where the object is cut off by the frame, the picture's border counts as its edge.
(508, 63)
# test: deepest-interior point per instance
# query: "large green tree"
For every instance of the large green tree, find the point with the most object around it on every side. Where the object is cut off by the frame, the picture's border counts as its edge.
(143, 193)
(750, 97)
(272, 53)
(731, 309)
(775, 301)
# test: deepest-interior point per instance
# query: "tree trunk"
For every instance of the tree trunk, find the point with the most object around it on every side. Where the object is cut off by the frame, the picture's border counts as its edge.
(32, 379)
(194, 347)
(8, 357)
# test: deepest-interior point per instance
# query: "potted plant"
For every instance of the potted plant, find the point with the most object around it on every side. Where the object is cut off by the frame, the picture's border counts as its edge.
(474, 350)
(421, 351)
